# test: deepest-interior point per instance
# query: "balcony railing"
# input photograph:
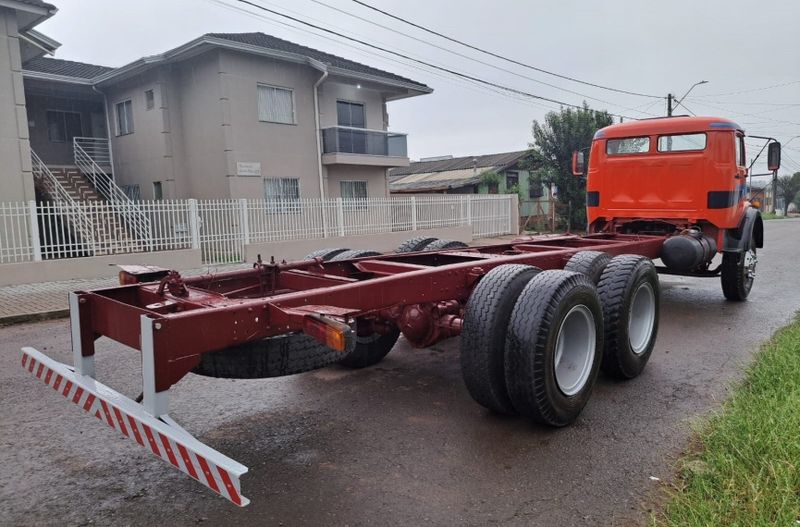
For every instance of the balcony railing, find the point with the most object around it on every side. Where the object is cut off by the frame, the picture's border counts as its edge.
(348, 140)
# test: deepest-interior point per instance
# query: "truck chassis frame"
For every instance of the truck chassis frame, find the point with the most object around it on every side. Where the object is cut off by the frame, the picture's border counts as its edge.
(172, 321)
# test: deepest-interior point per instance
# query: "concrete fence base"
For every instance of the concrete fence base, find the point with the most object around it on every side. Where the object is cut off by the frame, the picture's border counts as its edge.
(105, 266)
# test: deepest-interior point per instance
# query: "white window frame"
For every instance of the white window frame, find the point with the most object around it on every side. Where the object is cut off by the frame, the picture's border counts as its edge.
(274, 87)
(130, 128)
(282, 205)
(352, 203)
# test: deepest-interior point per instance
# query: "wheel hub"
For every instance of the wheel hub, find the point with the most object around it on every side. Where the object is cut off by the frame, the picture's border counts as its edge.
(642, 318)
(575, 349)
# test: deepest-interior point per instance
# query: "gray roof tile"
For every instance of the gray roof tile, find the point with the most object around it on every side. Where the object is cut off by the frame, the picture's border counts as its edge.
(458, 163)
(68, 68)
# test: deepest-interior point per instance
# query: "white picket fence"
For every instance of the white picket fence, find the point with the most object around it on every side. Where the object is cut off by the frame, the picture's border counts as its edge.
(221, 228)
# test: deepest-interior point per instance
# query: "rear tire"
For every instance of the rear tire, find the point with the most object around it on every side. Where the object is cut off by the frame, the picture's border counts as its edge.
(441, 245)
(325, 254)
(414, 244)
(739, 273)
(269, 357)
(483, 334)
(590, 263)
(370, 349)
(629, 291)
(554, 347)
(354, 253)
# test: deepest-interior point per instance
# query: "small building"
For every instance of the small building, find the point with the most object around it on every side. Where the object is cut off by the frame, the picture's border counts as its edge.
(504, 173)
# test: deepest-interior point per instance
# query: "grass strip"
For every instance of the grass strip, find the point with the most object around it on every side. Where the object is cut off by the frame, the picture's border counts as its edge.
(745, 469)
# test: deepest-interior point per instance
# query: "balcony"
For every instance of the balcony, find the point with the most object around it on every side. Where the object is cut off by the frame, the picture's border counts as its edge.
(359, 146)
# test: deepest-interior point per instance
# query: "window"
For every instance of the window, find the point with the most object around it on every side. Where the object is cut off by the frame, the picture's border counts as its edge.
(275, 105)
(351, 115)
(353, 189)
(124, 117)
(282, 194)
(149, 100)
(740, 159)
(681, 143)
(158, 192)
(512, 180)
(63, 126)
(630, 145)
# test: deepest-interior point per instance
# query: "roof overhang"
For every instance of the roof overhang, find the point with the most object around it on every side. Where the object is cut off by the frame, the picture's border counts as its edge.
(52, 77)
(29, 15)
(205, 43)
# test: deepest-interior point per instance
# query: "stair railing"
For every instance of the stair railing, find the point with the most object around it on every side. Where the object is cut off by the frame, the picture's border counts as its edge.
(76, 215)
(136, 220)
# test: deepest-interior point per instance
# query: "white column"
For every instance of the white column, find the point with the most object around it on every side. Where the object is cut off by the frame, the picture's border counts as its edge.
(36, 243)
(340, 215)
(244, 221)
(413, 213)
(194, 224)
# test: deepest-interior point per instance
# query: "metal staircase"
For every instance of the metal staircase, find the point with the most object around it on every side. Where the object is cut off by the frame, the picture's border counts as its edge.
(91, 154)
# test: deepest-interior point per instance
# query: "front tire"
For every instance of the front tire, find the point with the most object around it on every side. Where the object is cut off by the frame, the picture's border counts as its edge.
(554, 347)
(739, 273)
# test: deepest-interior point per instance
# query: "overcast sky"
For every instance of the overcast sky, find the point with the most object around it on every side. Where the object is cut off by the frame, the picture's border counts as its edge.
(638, 45)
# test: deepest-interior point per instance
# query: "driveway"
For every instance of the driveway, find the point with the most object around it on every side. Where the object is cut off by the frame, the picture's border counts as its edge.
(401, 443)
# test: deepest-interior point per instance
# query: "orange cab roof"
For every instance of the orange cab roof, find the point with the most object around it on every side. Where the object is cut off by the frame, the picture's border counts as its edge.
(666, 125)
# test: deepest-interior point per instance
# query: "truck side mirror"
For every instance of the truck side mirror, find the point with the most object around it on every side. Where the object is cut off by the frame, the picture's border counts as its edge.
(579, 163)
(774, 156)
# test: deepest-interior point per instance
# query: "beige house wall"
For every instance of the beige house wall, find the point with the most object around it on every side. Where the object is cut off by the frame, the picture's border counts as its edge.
(140, 157)
(283, 150)
(16, 179)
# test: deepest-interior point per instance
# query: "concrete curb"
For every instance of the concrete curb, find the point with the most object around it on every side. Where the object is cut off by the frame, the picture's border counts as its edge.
(33, 317)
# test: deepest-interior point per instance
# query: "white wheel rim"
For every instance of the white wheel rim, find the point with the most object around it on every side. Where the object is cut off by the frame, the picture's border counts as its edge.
(642, 318)
(575, 347)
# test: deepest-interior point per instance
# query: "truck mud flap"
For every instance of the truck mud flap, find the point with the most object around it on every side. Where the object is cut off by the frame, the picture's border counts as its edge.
(161, 436)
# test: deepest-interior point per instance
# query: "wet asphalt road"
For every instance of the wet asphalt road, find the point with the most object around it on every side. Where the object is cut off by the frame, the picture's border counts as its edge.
(401, 443)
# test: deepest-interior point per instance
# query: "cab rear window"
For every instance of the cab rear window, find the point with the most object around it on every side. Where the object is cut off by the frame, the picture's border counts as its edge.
(629, 145)
(681, 143)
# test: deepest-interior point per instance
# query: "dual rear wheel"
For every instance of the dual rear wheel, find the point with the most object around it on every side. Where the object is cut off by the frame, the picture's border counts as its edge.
(533, 342)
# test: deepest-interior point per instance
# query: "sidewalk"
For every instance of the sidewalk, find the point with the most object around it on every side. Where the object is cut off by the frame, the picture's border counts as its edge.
(45, 300)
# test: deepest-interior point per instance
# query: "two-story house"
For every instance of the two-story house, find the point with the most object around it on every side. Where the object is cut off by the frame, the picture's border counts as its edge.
(242, 115)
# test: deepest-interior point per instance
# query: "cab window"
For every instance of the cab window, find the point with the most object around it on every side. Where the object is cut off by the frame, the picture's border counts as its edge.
(739, 141)
(681, 143)
(629, 145)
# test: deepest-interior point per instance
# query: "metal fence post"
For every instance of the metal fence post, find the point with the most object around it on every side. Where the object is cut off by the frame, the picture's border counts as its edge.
(194, 224)
(413, 213)
(469, 209)
(340, 215)
(244, 220)
(36, 243)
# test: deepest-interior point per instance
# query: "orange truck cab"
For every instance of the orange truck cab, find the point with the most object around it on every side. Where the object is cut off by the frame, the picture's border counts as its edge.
(683, 177)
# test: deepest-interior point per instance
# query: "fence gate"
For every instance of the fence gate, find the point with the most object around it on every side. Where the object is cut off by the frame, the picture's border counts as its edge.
(221, 231)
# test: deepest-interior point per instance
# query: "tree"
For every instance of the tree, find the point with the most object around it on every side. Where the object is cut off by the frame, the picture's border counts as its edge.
(554, 140)
(788, 188)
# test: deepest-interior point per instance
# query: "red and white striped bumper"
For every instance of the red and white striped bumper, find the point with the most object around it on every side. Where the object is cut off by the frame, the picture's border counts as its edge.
(166, 440)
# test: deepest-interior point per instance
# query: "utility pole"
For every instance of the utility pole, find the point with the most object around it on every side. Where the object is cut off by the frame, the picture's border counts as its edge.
(669, 105)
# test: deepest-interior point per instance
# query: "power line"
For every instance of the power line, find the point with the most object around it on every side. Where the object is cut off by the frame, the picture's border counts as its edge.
(501, 57)
(425, 63)
(462, 55)
(463, 83)
(748, 91)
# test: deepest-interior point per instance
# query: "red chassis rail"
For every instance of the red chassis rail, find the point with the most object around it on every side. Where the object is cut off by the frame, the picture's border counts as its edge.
(208, 313)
